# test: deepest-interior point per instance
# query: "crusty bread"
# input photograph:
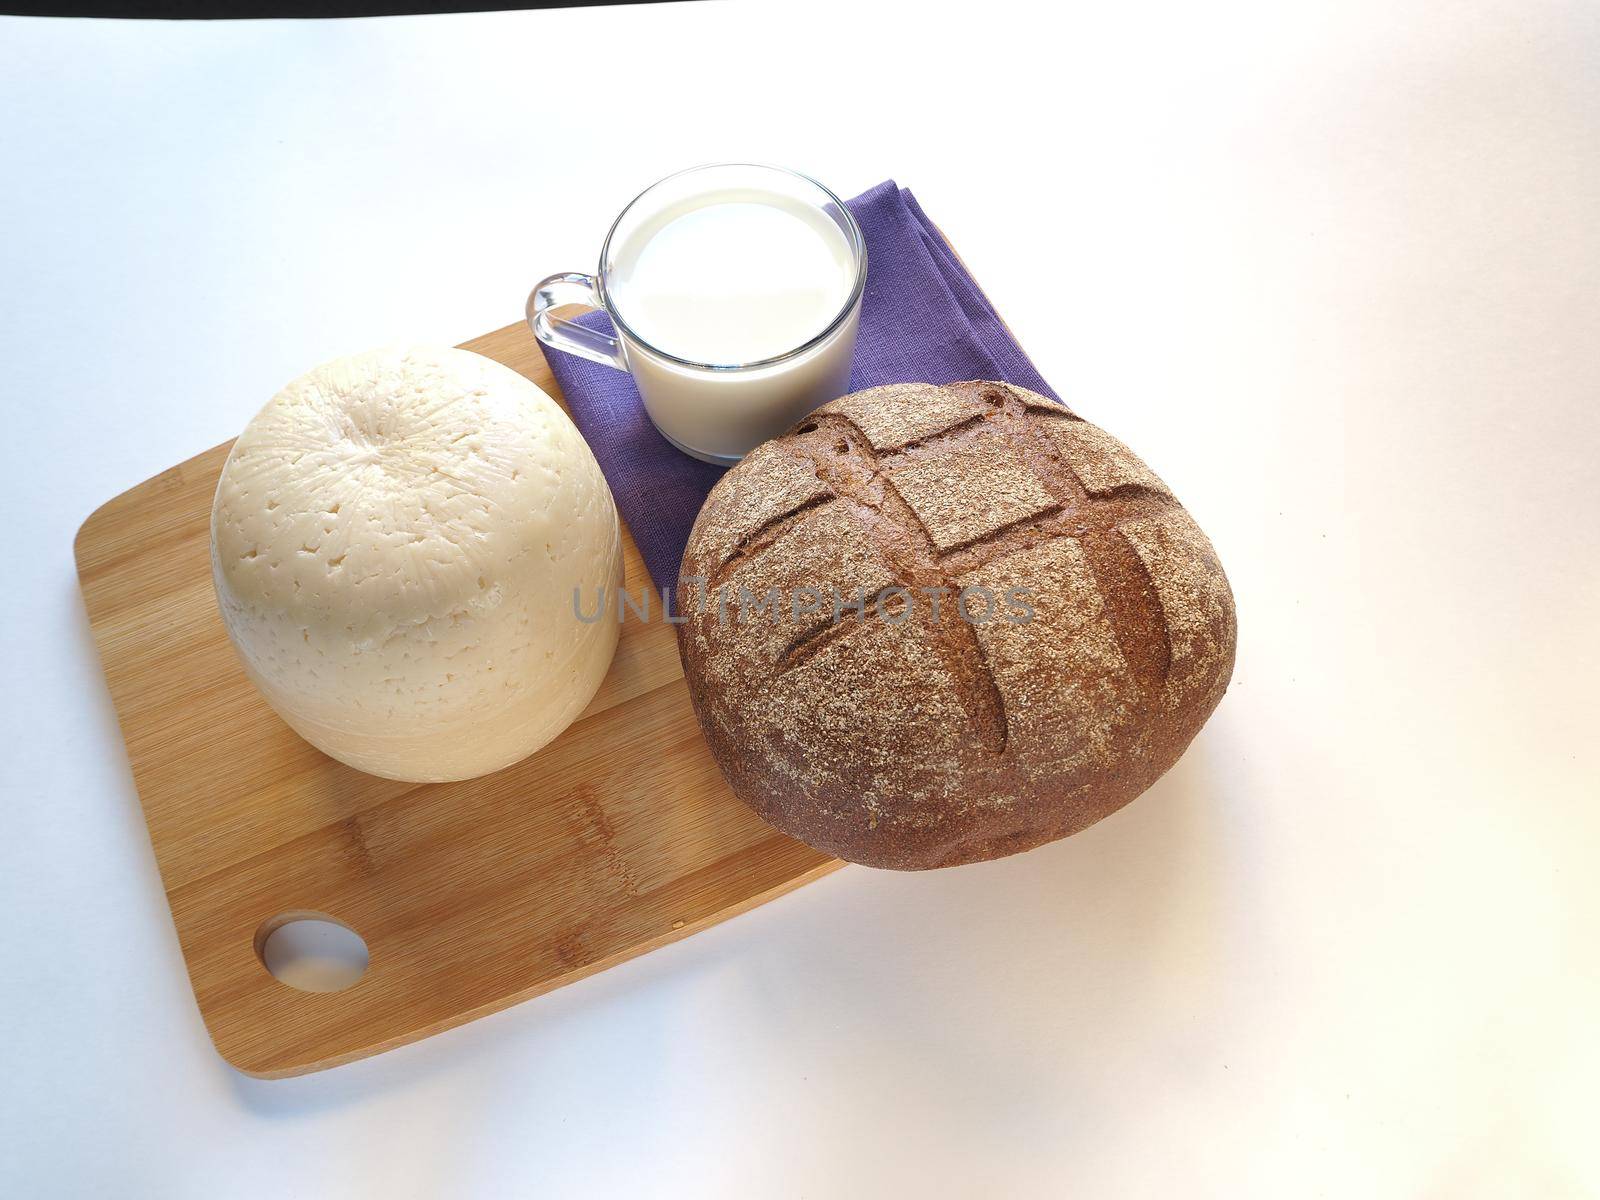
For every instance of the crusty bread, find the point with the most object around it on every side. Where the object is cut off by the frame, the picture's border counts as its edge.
(900, 737)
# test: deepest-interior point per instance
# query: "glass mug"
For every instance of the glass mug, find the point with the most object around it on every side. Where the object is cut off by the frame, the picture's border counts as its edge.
(718, 411)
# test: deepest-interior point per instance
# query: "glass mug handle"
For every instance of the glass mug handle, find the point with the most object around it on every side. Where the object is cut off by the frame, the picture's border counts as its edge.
(571, 287)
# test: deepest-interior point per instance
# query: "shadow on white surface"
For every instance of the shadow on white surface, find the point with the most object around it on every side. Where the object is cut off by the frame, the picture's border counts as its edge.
(996, 968)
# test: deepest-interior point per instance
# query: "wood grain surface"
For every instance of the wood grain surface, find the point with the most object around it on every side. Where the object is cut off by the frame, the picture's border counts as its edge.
(618, 837)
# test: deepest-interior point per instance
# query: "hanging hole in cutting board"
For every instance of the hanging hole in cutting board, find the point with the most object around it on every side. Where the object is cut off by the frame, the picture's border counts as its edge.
(311, 951)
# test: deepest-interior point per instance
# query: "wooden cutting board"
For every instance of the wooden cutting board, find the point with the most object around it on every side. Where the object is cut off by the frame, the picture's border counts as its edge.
(617, 838)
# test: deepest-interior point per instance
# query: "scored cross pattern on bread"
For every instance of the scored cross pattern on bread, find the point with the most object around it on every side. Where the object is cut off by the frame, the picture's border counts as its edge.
(1039, 727)
(863, 477)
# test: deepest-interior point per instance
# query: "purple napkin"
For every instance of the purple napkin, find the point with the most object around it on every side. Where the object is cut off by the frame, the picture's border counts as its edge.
(923, 320)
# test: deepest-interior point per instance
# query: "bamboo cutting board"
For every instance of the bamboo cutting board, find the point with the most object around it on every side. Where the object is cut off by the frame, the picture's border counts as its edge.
(618, 837)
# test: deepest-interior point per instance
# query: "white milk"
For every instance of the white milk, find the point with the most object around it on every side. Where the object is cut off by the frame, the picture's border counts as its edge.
(725, 278)
(732, 277)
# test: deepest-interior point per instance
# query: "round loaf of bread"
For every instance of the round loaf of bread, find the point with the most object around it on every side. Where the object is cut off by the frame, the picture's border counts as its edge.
(395, 541)
(934, 625)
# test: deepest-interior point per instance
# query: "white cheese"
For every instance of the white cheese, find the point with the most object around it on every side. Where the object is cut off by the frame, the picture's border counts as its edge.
(395, 541)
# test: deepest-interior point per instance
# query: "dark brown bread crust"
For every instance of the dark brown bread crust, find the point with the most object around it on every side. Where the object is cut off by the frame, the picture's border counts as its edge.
(930, 740)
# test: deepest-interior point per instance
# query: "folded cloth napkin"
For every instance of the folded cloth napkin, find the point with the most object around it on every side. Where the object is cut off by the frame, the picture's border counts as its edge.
(923, 320)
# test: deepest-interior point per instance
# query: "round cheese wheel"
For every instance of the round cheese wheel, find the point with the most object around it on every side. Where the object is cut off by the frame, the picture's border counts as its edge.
(396, 542)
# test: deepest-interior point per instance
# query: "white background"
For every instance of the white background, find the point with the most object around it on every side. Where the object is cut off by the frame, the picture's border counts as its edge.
(1333, 271)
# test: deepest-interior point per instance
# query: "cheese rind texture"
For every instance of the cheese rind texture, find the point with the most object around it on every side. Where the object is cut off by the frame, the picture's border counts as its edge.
(396, 541)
